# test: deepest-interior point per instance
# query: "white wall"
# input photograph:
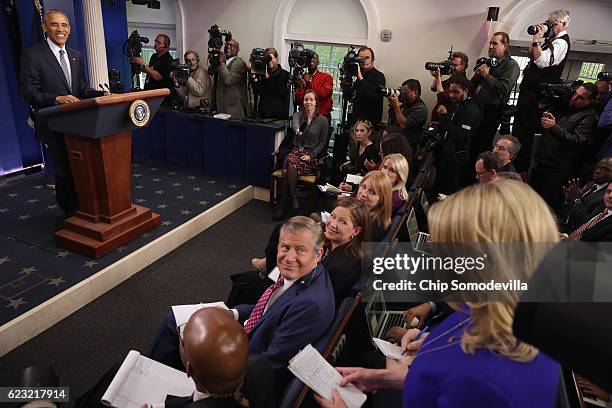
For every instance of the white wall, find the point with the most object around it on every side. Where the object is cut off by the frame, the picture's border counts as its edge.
(423, 30)
(349, 18)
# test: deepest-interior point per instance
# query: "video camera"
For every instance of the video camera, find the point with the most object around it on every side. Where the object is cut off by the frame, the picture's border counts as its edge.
(259, 61)
(132, 47)
(180, 72)
(399, 93)
(348, 69)
(445, 67)
(555, 95)
(490, 61)
(532, 29)
(604, 76)
(216, 47)
(299, 59)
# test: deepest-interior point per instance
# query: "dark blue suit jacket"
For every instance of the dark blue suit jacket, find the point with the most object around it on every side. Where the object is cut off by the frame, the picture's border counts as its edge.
(300, 316)
(42, 80)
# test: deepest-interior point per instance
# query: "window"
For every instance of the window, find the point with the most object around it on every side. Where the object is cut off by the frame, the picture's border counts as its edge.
(589, 71)
(146, 56)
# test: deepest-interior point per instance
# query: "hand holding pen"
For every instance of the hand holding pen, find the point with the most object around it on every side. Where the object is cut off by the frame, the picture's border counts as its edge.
(413, 340)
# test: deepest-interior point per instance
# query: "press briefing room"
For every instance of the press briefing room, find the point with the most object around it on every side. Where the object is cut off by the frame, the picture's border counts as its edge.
(306, 203)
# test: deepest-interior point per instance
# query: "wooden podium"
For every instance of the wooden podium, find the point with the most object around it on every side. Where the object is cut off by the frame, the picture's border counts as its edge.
(99, 145)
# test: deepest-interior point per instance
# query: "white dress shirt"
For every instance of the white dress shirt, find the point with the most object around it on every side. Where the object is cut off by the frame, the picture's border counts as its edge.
(560, 49)
(286, 285)
(55, 50)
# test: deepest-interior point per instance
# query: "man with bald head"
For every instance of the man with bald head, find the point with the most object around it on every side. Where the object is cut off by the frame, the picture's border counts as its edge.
(52, 74)
(232, 82)
(293, 312)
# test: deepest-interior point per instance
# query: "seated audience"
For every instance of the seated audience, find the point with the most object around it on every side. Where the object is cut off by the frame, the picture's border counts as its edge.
(486, 167)
(375, 192)
(472, 359)
(363, 153)
(347, 227)
(584, 202)
(599, 227)
(396, 143)
(311, 131)
(297, 309)
(395, 167)
(506, 148)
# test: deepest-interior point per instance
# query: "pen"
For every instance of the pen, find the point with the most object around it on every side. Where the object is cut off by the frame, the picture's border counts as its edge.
(416, 338)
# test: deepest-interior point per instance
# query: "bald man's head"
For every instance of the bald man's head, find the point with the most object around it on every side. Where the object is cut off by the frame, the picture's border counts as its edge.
(214, 348)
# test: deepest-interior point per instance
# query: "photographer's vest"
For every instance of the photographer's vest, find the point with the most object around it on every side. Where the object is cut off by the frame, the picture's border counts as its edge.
(534, 75)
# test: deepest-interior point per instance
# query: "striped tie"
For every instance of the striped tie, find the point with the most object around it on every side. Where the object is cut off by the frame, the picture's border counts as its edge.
(261, 305)
(577, 234)
(64, 66)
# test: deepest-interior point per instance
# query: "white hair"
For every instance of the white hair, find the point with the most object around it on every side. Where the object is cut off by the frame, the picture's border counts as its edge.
(561, 16)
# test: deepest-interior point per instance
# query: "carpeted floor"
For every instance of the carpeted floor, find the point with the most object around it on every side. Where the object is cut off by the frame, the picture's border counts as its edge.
(86, 344)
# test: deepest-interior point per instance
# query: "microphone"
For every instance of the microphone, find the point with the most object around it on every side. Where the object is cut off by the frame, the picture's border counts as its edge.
(107, 88)
(101, 87)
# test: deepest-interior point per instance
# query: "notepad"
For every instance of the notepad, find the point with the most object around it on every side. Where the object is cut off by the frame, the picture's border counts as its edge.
(353, 178)
(324, 216)
(388, 349)
(328, 188)
(313, 370)
(222, 116)
(182, 313)
(141, 380)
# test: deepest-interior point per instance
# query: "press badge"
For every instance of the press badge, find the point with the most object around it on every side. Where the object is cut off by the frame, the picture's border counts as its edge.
(466, 127)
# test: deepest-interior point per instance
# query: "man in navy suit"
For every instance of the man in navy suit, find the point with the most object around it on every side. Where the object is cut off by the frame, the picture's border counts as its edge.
(295, 311)
(52, 74)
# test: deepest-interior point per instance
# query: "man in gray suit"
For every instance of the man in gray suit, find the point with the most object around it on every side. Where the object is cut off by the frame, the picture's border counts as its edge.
(232, 82)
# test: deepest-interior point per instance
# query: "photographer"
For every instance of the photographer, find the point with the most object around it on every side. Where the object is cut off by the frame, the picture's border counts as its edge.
(160, 64)
(546, 66)
(368, 102)
(198, 85)
(459, 64)
(411, 114)
(565, 132)
(493, 85)
(272, 88)
(457, 128)
(232, 85)
(321, 83)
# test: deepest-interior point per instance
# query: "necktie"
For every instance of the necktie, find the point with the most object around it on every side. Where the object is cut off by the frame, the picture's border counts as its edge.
(577, 234)
(64, 66)
(261, 305)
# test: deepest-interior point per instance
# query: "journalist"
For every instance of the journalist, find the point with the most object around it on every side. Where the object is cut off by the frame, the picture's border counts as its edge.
(546, 66)
(160, 64)
(457, 128)
(492, 86)
(459, 64)
(232, 83)
(565, 131)
(368, 102)
(411, 114)
(199, 85)
(272, 88)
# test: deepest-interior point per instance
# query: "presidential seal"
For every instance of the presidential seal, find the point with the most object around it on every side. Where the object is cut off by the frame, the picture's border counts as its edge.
(140, 113)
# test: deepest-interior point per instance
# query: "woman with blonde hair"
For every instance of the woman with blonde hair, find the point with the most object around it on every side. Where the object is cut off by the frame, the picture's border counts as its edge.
(395, 166)
(472, 359)
(375, 192)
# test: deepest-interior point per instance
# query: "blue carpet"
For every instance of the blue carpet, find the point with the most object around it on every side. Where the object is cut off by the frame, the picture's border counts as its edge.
(33, 269)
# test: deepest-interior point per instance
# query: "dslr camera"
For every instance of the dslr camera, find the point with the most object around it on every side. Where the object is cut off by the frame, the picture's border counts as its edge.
(604, 76)
(259, 61)
(399, 93)
(490, 61)
(548, 25)
(431, 139)
(216, 46)
(180, 72)
(445, 67)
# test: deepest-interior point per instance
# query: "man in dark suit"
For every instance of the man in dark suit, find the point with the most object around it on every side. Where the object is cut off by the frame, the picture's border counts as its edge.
(583, 203)
(295, 311)
(52, 74)
(600, 226)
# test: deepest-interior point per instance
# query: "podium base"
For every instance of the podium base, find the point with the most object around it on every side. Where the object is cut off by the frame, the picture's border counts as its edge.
(79, 235)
